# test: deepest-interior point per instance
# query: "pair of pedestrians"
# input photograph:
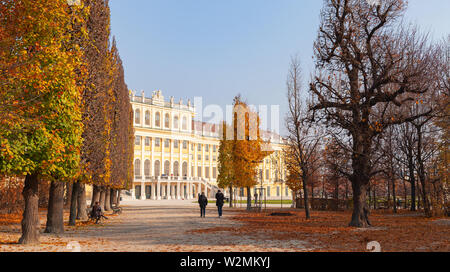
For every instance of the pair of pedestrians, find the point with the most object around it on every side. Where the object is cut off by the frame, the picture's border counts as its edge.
(203, 202)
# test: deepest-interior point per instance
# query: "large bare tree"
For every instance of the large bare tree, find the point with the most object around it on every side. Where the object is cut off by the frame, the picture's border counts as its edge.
(368, 67)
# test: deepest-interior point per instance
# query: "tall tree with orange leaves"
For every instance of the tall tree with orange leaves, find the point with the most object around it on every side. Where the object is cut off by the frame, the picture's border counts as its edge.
(40, 101)
(247, 146)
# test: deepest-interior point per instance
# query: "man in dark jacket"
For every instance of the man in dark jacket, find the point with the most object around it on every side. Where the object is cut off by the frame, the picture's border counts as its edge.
(96, 212)
(202, 201)
(219, 202)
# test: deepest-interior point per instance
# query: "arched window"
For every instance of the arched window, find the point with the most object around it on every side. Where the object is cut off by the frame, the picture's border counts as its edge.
(147, 118)
(147, 168)
(158, 119)
(167, 168)
(184, 123)
(176, 169)
(157, 168)
(167, 121)
(175, 122)
(137, 168)
(137, 116)
(185, 168)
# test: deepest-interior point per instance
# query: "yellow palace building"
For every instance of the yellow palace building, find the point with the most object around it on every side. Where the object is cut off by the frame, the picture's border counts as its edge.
(176, 157)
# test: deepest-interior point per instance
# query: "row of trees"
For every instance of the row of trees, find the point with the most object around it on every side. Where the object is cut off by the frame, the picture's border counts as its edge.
(379, 100)
(65, 114)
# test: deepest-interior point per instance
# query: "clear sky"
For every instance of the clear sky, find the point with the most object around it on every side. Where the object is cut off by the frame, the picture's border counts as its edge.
(215, 49)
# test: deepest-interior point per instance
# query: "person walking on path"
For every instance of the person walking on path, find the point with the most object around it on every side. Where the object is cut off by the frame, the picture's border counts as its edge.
(219, 202)
(202, 201)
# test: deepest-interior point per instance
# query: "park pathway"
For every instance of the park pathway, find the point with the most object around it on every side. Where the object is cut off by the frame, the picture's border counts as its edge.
(166, 226)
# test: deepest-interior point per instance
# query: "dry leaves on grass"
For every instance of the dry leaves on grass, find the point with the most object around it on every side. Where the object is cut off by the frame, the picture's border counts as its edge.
(329, 230)
(10, 219)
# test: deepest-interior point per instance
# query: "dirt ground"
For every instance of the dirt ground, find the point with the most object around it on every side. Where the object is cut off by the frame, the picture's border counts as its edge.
(175, 228)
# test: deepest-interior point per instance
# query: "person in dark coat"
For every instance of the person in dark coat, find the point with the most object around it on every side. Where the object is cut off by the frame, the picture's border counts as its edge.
(97, 213)
(202, 201)
(219, 202)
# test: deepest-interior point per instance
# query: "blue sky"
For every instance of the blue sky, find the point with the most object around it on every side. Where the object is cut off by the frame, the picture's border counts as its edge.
(215, 49)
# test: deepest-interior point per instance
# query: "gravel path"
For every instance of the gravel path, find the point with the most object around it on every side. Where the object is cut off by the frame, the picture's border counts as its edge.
(158, 227)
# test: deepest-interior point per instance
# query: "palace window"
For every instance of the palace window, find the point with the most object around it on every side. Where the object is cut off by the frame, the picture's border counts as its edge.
(199, 171)
(167, 168)
(167, 121)
(207, 148)
(206, 158)
(199, 157)
(206, 172)
(157, 168)
(214, 172)
(157, 142)
(184, 124)
(137, 140)
(199, 147)
(176, 169)
(185, 169)
(175, 122)
(158, 119)
(214, 148)
(147, 141)
(147, 168)
(137, 116)
(147, 118)
(137, 168)
(175, 143)
(184, 144)
(166, 143)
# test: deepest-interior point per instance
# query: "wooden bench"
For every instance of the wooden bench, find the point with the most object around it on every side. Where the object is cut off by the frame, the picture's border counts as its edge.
(116, 210)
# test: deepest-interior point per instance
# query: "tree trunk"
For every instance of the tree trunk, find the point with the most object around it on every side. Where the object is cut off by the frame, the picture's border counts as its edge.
(118, 198)
(374, 198)
(113, 197)
(82, 206)
(360, 216)
(305, 197)
(108, 199)
(346, 195)
(389, 194)
(412, 180)
(405, 195)
(421, 173)
(55, 213)
(102, 198)
(249, 199)
(68, 194)
(95, 195)
(231, 196)
(336, 194)
(30, 220)
(74, 204)
(394, 196)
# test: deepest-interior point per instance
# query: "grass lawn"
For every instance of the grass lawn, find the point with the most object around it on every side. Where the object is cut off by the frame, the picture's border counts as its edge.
(328, 230)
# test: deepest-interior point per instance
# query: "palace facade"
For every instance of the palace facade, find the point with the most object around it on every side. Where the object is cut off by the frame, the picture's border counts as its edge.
(176, 157)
